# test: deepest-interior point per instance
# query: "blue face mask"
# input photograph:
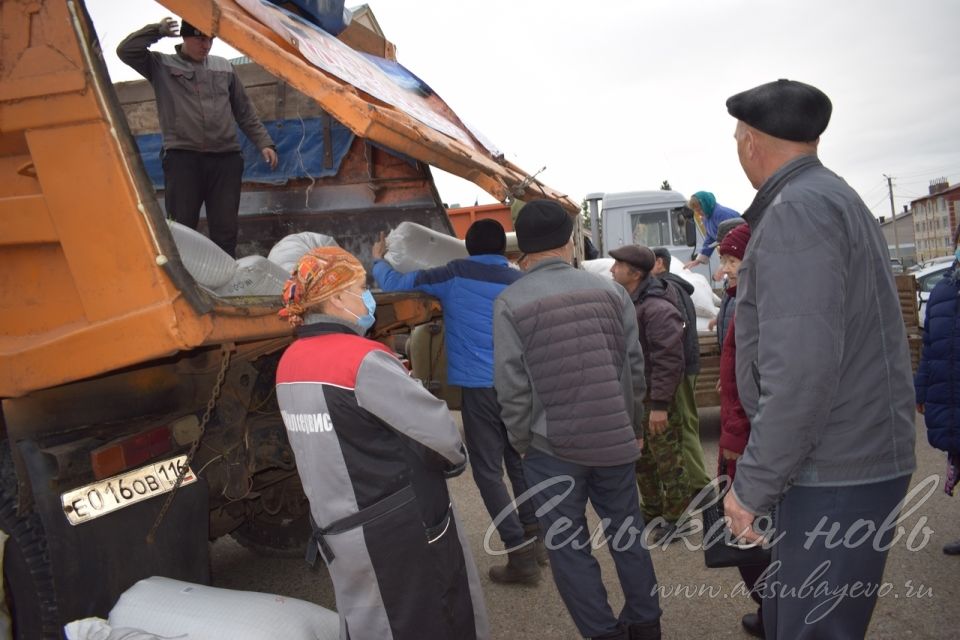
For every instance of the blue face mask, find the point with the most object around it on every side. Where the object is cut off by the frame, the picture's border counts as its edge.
(366, 321)
(956, 254)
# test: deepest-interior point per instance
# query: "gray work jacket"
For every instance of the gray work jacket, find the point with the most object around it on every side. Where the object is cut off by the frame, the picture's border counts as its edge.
(199, 104)
(823, 368)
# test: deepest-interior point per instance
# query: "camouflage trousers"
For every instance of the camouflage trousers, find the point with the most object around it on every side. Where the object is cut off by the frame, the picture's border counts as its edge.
(661, 474)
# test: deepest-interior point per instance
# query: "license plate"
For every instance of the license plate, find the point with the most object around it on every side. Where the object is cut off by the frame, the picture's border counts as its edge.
(103, 497)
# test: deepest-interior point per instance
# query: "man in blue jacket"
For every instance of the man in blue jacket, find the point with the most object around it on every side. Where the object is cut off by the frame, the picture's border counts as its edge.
(467, 288)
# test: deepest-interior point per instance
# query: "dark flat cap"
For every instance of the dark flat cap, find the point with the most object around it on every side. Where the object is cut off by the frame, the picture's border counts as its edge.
(636, 256)
(725, 227)
(542, 225)
(784, 109)
(187, 30)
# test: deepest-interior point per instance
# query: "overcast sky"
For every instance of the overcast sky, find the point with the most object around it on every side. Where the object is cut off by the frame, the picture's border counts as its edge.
(623, 94)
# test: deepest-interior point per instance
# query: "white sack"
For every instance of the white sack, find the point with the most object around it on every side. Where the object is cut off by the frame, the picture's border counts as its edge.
(288, 251)
(255, 276)
(171, 608)
(600, 266)
(209, 265)
(412, 247)
(100, 629)
(705, 301)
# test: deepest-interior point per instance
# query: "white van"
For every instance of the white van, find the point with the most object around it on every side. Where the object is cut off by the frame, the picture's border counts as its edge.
(653, 219)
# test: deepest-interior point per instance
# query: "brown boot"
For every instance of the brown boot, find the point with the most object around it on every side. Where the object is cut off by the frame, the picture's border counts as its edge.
(521, 568)
(533, 531)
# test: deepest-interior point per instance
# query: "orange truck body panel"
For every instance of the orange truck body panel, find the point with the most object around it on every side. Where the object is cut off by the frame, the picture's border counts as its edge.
(462, 217)
(91, 280)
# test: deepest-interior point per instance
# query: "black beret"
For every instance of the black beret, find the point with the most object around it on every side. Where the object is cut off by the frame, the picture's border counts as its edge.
(784, 109)
(642, 258)
(542, 225)
(187, 30)
(486, 236)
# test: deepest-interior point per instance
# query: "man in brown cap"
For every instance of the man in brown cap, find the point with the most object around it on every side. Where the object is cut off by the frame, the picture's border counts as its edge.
(568, 369)
(661, 472)
(826, 383)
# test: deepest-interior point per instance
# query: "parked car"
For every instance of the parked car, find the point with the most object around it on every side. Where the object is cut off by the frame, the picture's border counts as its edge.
(927, 278)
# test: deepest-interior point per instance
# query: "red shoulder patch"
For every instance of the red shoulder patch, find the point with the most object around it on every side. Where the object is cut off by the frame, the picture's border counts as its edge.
(329, 359)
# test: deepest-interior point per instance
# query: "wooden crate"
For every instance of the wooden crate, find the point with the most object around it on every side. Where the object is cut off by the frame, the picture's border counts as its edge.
(706, 391)
(907, 292)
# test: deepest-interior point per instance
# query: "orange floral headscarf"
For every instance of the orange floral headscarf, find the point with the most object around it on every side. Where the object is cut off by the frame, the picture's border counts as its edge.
(318, 275)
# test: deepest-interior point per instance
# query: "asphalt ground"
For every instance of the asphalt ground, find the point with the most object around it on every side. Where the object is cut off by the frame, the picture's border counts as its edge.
(698, 603)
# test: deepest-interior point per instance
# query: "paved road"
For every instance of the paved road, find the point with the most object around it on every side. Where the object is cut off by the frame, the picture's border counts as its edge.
(537, 612)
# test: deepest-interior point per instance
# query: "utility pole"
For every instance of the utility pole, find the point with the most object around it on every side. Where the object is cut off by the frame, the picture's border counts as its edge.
(893, 213)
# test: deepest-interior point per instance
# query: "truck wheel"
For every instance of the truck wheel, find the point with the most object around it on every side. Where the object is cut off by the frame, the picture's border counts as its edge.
(280, 525)
(27, 579)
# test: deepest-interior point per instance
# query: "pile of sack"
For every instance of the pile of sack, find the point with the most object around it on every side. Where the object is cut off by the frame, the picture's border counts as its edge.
(216, 271)
(411, 247)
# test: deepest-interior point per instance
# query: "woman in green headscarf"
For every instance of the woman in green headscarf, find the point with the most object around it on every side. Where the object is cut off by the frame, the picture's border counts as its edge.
(709, 214)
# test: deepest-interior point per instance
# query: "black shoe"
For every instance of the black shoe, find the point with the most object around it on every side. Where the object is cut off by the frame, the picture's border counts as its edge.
(952, 549)
(648, 631)
(753, 624)
(620, 634)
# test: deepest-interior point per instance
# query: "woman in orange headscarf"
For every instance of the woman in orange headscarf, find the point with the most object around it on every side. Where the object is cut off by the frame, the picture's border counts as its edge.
(374, 449)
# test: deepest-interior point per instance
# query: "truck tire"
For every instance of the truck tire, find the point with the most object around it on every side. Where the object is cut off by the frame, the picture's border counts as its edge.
(282, 531)
(271, 537)
(27, 580)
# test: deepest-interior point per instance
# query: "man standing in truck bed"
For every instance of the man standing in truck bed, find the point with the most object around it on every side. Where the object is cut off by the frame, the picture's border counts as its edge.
(200, 100)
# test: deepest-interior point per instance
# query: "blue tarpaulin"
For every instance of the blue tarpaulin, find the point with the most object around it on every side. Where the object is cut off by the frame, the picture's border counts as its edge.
(289, 136)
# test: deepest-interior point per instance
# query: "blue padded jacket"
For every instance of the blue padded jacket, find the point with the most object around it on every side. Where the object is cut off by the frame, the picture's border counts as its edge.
(466, 288)
(938, 377)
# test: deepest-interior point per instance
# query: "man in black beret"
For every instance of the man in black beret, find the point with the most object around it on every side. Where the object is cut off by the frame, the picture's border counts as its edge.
(200, 103)
(826, 383)
(569, 376)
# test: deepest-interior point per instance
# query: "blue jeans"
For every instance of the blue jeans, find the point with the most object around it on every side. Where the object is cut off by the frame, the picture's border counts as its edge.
(613, 493)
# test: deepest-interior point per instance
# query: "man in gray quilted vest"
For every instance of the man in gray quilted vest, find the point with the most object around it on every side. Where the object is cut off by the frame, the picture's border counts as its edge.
(568, 371)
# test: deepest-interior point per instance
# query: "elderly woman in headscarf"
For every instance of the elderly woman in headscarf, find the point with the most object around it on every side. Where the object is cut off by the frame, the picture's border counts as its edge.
(374, 449)
(710, 214)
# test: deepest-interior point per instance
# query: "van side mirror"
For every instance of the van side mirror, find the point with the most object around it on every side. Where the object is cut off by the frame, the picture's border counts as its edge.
(690, 230)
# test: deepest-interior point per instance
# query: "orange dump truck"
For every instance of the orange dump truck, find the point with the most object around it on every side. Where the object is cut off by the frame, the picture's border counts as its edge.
(121, 377)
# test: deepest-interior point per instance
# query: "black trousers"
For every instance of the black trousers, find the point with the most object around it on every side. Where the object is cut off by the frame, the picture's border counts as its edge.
(823, 587)
(192, 179)
(490, 451)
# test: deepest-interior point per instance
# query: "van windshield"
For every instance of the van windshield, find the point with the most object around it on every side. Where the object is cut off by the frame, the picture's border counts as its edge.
(650, 228)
